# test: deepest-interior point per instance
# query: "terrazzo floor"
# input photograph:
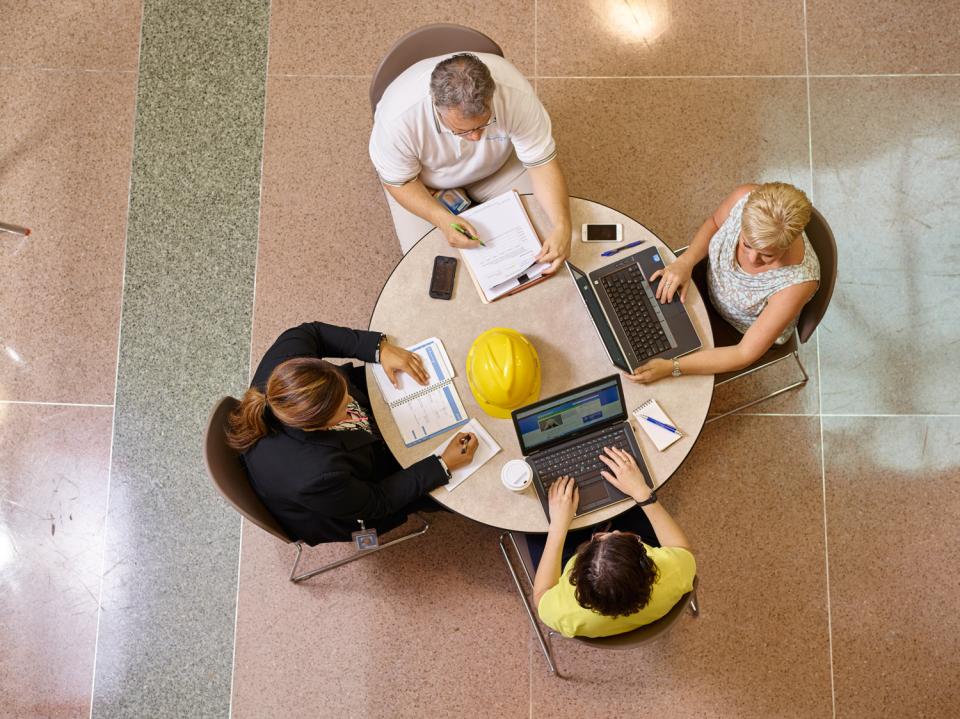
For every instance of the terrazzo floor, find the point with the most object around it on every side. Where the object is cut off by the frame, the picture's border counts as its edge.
(196, 179)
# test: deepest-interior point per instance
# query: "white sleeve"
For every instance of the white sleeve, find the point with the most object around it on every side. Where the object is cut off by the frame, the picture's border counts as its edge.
(530, 130)
(392, 155)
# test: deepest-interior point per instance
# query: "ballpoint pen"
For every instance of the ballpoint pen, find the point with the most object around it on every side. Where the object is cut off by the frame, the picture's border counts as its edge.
(608, 253)
(657, 422)
(463, 231)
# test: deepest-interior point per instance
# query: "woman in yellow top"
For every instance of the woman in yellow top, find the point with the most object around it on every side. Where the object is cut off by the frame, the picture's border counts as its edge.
(617, 581)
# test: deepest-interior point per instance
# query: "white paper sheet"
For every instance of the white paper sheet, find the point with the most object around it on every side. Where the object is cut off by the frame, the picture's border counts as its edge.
(511, 245)
(486, 449)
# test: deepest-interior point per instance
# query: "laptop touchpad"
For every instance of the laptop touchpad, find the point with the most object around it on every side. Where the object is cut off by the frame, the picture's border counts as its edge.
(592, 493)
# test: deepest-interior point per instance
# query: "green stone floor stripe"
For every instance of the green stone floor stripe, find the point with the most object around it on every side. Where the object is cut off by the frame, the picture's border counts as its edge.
(166, 629)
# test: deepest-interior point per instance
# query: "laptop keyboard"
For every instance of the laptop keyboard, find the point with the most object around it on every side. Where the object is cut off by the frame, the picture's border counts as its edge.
(634, 308)
(580, 460)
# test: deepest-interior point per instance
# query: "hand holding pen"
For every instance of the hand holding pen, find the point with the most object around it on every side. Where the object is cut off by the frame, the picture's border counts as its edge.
(459, 452)
(461, 229)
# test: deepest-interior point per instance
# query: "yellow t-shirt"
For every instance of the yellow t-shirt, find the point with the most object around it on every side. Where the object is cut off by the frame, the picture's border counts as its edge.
(559, 608)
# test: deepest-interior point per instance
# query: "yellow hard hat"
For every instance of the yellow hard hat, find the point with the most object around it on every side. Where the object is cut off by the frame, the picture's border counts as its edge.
(503, 370)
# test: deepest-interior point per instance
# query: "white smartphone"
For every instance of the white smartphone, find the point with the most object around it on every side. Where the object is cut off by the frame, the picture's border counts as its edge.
(601, 233)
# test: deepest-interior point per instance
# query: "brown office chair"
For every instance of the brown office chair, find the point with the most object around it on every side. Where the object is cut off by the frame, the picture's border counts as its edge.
(424, 42)
(725, 335)
(627, 640)
(230, 479)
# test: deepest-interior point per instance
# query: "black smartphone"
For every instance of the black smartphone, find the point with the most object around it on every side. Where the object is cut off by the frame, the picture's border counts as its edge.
(441, 281)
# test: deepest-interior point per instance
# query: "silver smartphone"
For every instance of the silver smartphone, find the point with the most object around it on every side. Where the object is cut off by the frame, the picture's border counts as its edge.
(601, 233)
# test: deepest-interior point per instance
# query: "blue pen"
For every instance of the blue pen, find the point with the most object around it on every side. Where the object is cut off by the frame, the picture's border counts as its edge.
(625, 247)
(657, 422)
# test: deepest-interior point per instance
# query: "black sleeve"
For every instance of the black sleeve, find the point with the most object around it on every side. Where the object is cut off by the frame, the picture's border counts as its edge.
(342, 495)
(317, 339)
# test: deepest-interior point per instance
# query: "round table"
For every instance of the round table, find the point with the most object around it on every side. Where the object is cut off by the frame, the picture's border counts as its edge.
(552, 316)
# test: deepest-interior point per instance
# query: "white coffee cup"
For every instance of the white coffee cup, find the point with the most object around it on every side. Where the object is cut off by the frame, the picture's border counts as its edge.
(516, 475)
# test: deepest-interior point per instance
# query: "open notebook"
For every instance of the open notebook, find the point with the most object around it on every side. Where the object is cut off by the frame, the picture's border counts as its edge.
(422, 412)
(506, 263)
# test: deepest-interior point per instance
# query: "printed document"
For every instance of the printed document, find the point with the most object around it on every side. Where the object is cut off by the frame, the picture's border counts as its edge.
(507, 260)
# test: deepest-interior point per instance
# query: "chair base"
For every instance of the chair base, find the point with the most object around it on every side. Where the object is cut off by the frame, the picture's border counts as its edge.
(543, 641)
(296, 578)
(796, 356)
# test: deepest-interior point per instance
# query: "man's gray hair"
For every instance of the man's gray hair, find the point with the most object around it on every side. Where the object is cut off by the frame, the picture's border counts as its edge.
(462, 82)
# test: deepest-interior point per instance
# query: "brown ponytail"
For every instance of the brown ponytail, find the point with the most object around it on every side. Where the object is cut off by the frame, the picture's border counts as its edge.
(304, 392)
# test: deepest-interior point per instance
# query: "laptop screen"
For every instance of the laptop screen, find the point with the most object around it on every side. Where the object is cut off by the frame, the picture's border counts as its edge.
(570, 413)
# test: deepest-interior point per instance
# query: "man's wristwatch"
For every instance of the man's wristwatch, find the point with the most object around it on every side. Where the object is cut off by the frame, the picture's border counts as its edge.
(376, 355)
(649, 500)
(676, 367)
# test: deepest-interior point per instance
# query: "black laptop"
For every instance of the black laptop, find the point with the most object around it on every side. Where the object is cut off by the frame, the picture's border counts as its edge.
(566, 433)
(633, 326)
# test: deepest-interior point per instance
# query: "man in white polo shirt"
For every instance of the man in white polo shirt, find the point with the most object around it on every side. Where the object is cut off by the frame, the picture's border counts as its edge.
(472, 122)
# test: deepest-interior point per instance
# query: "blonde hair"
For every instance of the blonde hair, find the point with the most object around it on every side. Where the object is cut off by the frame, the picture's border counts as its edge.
(304, 392)
(774, 216)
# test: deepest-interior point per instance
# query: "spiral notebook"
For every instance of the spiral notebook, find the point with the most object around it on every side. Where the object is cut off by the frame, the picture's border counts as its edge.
(662, 438)
(422, 412)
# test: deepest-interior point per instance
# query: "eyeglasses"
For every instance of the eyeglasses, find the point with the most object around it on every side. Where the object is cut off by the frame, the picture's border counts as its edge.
(462, 133)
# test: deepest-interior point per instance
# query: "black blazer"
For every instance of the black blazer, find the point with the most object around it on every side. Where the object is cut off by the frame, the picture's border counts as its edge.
(318, 484)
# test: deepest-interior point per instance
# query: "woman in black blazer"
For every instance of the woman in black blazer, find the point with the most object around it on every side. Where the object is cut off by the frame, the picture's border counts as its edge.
(311, 447)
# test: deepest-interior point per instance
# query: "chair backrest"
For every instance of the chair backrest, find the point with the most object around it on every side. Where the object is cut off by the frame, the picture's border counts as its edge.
(824, 244)
(229, 475)
(424, 42)
(617, 641)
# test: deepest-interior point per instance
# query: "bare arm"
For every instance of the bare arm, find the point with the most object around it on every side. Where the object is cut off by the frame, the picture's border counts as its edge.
(563, 499)
(676, 276)
(781, 308)
(625, 475)
(665, 526)
(414, 197)
(550, 189)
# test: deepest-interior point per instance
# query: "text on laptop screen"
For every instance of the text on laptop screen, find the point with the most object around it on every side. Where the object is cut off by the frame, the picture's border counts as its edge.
(569, 414)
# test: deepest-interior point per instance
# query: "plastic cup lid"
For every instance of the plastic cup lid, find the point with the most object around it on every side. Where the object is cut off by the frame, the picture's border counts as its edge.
(515, 473)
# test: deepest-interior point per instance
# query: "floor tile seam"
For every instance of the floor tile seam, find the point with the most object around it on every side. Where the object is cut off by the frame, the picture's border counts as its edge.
(253, 310)
(67, 70)
(797, 76)
(56, 404)
(317, 76)
(840, 415)
(116, 370)
(826, 539)
(536, 41)
(236, 621)
(823, 471)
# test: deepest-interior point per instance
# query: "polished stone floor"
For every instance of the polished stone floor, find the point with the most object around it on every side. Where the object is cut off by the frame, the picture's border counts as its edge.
(196, 179)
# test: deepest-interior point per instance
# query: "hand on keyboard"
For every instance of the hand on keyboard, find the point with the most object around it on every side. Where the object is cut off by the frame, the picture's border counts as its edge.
(563, 498)
(652, 371)
(624, 473)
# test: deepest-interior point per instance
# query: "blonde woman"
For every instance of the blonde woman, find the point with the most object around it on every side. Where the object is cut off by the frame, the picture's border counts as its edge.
(761, 271)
